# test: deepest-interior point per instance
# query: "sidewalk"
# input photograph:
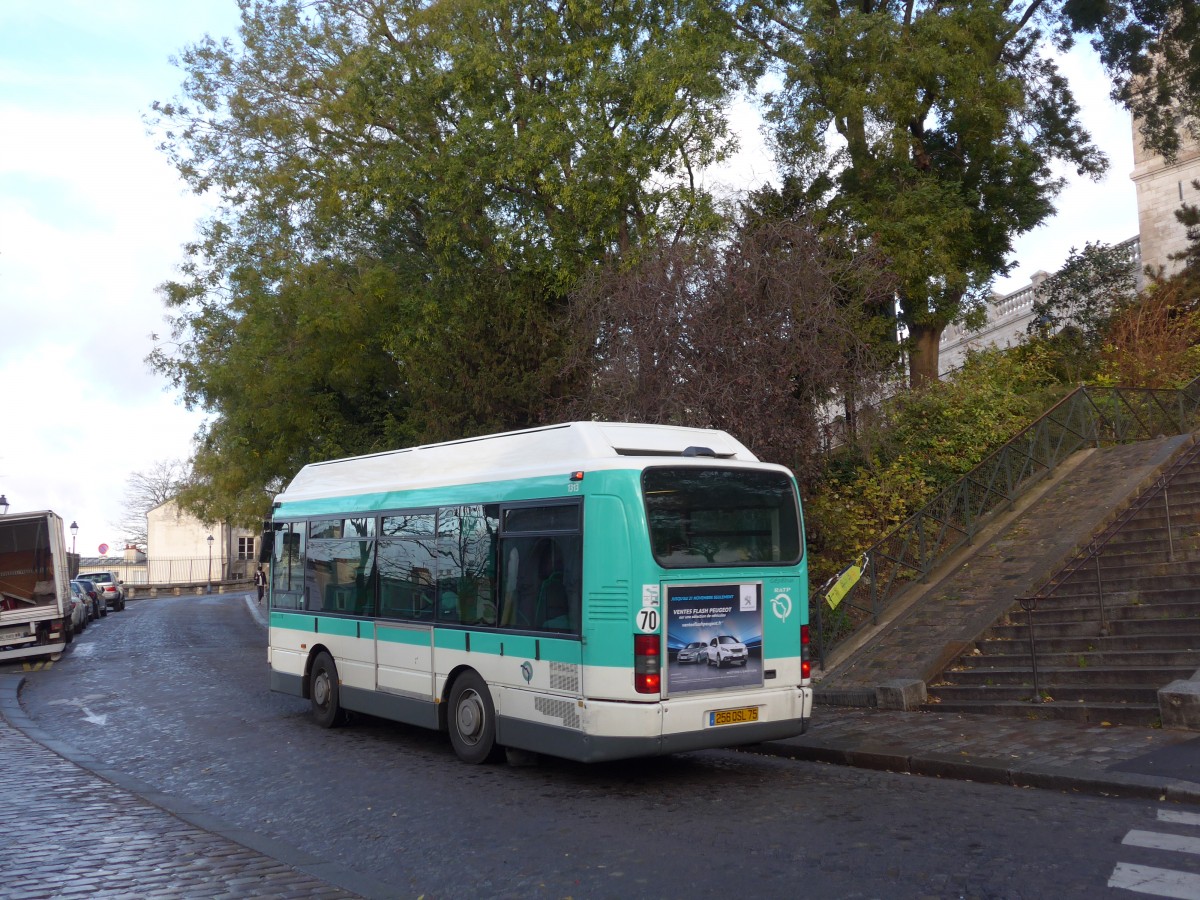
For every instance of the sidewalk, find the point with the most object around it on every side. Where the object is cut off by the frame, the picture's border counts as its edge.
(1125, 761)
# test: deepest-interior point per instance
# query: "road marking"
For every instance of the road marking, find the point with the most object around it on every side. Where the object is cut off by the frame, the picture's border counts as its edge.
(1179, 818)
(252, 605)
(1159, 882)
(37, 666)
(76, 701)
(81, 702)
(1157, 841)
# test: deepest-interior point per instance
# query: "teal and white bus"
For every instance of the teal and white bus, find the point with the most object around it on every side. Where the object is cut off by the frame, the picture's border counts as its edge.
(588, 590)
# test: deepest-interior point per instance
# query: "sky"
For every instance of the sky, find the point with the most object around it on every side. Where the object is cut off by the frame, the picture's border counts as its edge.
(93, 219)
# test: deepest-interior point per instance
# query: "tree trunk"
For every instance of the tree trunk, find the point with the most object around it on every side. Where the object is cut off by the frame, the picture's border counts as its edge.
(924, 346)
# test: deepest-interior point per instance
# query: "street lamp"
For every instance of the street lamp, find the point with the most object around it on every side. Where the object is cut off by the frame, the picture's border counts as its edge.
(74, 534)
(210, 540)
(3, 504)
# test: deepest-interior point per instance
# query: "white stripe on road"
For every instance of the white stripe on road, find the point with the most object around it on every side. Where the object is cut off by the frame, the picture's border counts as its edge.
(1179, 818)
(252, 605)
(1160, 882)
(1157, 841)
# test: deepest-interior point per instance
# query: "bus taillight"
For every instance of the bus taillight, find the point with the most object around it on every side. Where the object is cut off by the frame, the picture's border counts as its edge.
(647, 664)
(805, 663)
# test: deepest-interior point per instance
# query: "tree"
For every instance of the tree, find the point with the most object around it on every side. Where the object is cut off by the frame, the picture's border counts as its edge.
(146, 490)
(408, 191)
(1149, 50)
(937, 127)
(1189, 217)
(754, 332)
(1083, 294)
(1154, 340)
(1073, 309)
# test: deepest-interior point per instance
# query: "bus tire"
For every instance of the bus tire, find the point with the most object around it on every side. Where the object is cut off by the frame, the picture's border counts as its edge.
(324, 692)
(472, 720)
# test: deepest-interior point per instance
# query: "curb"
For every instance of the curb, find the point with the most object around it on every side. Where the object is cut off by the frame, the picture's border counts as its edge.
(1067, 778)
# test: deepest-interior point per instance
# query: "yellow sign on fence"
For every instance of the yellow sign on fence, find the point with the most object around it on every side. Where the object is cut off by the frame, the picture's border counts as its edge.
(845, 582)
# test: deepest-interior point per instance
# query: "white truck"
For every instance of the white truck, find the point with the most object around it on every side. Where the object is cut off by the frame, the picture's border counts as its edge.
(35, 586)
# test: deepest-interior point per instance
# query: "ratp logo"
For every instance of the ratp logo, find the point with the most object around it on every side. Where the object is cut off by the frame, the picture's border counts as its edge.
(527, 671)
(781, 605)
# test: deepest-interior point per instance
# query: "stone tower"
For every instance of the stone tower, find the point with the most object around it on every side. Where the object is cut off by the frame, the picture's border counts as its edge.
(1161, 189)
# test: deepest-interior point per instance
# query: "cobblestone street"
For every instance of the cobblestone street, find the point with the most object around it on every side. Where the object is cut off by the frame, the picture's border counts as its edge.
(70, 833)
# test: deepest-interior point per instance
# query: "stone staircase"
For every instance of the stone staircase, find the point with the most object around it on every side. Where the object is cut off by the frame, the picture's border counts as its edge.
(1110, 629)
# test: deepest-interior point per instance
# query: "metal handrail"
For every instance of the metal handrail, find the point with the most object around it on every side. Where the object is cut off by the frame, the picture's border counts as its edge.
(1096, 546)
(1088, 416)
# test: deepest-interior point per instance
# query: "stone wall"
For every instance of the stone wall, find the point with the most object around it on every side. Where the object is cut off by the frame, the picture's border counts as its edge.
(1161, 189)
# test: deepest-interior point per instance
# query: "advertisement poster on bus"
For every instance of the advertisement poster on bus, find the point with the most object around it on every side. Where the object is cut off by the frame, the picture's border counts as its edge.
(714, 636)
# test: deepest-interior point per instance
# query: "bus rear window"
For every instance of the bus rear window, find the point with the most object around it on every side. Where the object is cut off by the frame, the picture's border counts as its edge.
(704, 517)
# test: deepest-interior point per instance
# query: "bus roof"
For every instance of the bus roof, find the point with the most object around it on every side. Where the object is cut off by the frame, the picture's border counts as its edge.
(513, 454)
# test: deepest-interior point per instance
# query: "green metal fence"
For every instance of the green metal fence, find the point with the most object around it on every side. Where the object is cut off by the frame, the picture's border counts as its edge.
(1088, 416)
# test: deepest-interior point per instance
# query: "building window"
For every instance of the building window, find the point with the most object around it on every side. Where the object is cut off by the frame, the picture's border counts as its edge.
(245, 548)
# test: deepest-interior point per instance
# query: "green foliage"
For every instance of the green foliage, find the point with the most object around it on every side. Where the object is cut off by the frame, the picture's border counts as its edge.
(405, 195)
(947, 121)
(1149, 50)
(951, 425)
(925, 440)
(844, 518)
(1083, 295)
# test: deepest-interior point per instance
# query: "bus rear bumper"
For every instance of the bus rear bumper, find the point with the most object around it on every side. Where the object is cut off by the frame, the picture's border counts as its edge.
(616, 730)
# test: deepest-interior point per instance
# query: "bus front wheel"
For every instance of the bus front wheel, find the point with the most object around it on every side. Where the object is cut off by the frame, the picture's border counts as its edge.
(324, 692)
(472, 720)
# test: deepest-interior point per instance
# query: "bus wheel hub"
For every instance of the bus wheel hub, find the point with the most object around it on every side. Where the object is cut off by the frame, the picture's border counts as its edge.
(470, 717)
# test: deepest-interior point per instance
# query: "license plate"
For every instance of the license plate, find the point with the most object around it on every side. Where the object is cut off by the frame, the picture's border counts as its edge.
(733, 716)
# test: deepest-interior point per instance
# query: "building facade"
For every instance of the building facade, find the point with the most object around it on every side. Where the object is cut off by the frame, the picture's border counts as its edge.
(178, 547)
(1162, 188)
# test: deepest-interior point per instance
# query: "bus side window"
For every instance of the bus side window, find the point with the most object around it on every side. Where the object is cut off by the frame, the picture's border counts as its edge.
(287, 566)
(406, 588)
(541, 583)
(554, 614)
(466, 563)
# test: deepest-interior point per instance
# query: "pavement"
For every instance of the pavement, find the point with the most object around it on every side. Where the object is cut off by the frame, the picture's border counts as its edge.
(1077, 757)
(134, 841)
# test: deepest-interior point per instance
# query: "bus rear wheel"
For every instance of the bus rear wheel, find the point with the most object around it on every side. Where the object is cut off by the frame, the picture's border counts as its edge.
(472, 720)
(324, 692)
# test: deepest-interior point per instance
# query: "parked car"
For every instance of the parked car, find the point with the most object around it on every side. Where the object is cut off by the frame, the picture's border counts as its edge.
(78, 610)
(695, 652)
(109, 586)
(98, 606)
(726, 650)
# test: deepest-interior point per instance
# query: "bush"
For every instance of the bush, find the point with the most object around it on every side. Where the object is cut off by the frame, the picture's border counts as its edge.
(924, 441)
